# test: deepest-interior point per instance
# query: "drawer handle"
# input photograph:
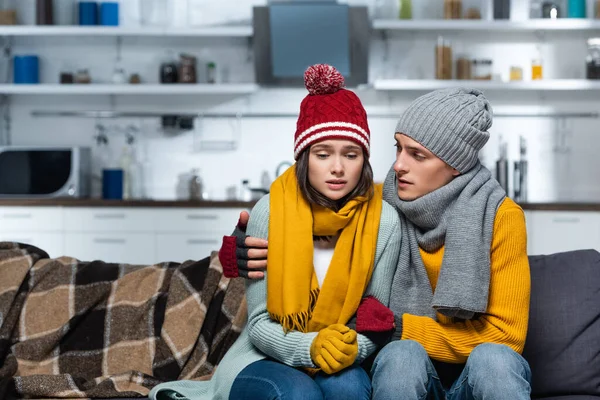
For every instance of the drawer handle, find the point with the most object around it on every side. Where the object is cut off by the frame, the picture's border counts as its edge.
(17, 216)
(192, 216)
(109, 241)
(202, 241)
(109, 216)
(566, 220)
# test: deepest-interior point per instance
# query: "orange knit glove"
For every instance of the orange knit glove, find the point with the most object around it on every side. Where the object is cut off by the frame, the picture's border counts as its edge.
(334, 348)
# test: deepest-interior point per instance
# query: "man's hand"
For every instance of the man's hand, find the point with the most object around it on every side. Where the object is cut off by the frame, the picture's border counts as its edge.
(242, 255)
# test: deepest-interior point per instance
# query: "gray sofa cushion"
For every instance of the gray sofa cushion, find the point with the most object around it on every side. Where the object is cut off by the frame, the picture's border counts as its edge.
(563, 341)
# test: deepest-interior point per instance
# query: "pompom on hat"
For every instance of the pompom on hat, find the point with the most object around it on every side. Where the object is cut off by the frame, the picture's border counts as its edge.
(330, 111)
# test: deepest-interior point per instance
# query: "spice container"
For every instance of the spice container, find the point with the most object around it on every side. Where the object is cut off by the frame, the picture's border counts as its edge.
(593, 58)
(211, 72)
(187, 69)
(83, 76)
(473, 13)
(443, 59)
(452, 9)
(516, 73)
(463, 68)
(482, 69)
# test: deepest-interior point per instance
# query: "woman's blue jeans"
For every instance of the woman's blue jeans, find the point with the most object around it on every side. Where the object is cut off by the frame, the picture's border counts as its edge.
(403, 370)
(271, 380)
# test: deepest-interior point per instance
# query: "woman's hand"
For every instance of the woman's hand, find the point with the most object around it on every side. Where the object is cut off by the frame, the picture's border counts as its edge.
(242, 255)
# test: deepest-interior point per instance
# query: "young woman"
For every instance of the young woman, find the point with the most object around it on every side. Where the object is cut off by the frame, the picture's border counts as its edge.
(331, 239)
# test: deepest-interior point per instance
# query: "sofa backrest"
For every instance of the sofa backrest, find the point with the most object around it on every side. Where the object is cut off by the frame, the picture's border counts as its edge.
(563, 341)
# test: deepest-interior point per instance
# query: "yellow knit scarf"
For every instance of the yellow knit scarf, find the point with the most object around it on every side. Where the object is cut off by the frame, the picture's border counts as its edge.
(293, 296)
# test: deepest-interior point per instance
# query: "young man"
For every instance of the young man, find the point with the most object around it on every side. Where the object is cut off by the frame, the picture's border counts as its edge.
(460, 294)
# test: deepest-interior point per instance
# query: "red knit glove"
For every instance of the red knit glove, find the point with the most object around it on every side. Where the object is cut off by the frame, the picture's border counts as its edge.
(234, 253)
(373, 316)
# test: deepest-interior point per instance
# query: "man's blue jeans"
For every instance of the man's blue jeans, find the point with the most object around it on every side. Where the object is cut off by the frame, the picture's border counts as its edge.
(271, 380)
(403, 370)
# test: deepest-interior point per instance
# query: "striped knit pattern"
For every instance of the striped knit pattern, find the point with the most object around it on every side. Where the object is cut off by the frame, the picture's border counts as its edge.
(505, 321)
(338, 115)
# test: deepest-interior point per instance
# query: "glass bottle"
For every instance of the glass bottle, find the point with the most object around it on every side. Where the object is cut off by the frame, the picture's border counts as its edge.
(169, 70)
(537, 70)
(443, 59)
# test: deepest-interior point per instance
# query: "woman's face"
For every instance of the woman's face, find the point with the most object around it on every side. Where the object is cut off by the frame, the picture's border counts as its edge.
(334, 167)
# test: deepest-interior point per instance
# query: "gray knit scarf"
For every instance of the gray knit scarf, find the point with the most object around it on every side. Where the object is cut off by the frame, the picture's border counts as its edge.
(459, 216)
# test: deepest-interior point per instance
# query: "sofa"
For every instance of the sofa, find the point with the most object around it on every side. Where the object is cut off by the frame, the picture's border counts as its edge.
(563, 341)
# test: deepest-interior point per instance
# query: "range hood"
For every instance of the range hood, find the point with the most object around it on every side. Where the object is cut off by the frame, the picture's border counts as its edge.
(290, 36)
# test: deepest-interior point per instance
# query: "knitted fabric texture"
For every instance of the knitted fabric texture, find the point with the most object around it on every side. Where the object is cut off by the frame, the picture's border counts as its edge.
(451, 123)
(330, 111)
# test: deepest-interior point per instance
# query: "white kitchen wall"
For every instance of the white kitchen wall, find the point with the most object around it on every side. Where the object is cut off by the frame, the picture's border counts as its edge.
(563, 154)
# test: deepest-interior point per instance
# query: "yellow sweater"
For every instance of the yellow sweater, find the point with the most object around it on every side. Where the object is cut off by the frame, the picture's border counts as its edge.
(505, 321)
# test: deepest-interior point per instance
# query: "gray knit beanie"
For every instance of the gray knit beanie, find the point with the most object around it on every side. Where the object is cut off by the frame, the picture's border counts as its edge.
(451, 123)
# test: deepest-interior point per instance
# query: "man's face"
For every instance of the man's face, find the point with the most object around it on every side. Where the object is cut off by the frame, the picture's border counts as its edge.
(419, 171)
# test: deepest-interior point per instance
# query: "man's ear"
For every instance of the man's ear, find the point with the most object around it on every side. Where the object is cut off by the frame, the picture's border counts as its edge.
(455, 172)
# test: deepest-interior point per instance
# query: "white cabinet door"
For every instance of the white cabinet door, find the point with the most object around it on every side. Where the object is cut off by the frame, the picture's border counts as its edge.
(117, 219)
(52, 243)
(558, 231)
(182, 247)
(31, 219)
(211, 220)
(130, 248)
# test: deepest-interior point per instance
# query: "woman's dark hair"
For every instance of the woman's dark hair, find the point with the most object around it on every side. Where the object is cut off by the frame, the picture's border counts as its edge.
(363, 188)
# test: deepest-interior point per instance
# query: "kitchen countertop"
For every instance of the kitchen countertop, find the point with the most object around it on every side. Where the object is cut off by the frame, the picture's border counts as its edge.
(232, 204)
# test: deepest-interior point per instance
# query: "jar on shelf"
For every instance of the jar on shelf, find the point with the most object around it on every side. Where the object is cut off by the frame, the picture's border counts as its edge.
(463, 68)
(516, 73)
(482, 69)
(593, 58)
(443, 59)
(537, 69)
(452, 9)
(83, 76)
(187, 69)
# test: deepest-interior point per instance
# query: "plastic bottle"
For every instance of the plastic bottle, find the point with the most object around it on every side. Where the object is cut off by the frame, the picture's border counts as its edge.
(196, 186)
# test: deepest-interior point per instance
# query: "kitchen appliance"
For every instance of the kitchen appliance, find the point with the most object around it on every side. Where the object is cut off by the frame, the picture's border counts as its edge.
(291, 36)
(43, 172)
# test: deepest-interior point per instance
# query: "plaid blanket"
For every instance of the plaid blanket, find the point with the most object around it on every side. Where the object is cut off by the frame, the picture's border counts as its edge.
(72, 329)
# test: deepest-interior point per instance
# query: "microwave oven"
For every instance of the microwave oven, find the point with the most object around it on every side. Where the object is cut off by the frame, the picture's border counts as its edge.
(43, 172)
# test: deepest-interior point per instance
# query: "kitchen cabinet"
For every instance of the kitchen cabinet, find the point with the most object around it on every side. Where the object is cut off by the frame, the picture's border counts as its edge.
(51, 242)
(558, 231)
(130, 248)
(134, 235)
(36, 219)
(186, 246)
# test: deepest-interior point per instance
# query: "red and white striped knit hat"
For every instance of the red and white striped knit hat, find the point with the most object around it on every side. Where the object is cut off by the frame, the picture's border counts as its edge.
(329, 111)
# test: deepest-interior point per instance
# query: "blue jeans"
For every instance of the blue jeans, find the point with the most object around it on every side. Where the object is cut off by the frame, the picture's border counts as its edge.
(403, 370)
(272, 380)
